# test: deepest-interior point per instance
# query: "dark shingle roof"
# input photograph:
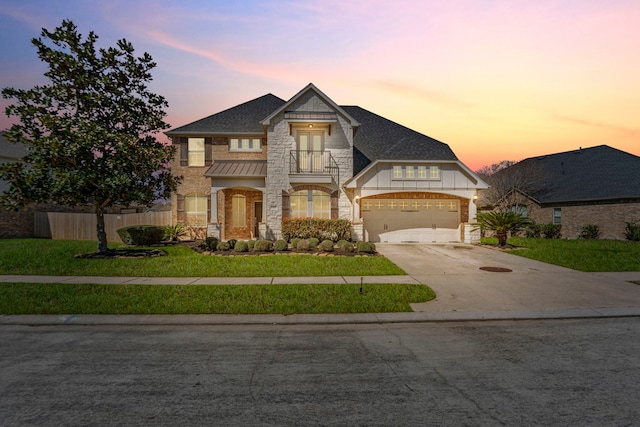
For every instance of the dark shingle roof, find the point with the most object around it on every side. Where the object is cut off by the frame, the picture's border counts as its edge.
(378, 138)
(241, 118)
(596, 173)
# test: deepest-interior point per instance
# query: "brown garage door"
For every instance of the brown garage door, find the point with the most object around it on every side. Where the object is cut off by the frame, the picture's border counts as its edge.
(419, 220)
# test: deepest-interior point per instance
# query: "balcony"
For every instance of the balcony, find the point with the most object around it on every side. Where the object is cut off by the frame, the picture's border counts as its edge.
(313, 167)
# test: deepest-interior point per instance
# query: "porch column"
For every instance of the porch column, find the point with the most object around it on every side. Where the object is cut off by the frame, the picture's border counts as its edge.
(214, 205)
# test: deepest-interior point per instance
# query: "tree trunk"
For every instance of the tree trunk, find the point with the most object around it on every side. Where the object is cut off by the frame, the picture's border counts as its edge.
(502, 237)
(102, 234)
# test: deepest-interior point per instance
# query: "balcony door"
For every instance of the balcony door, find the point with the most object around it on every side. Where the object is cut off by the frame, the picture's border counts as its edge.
(310, 148)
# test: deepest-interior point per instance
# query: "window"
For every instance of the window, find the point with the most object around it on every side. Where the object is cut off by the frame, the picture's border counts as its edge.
(519, 209)
(409, 172)
(239, 210)
(310, 204)
(397, 172)
(244, 144)
(196, 151)
(422, 172)
(557, 215)
(310, 149)
(434, 172)
(196, 210)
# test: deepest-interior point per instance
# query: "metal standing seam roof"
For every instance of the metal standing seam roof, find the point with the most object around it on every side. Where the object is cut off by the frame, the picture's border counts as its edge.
(238, 168)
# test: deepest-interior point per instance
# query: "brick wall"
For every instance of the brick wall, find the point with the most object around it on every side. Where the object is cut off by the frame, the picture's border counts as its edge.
(246, 232)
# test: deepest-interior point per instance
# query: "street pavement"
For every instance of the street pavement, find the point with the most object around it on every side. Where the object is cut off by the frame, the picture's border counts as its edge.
(523, 289)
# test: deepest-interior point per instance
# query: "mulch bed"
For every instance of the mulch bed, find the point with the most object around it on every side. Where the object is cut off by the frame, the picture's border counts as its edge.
(123, 253)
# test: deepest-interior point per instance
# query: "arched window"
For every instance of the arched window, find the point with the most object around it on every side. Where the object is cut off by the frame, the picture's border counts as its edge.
(239, 210)
(196, 209)
(311, 204)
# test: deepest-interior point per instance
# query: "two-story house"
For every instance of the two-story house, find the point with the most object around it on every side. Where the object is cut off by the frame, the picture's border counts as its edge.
(248, 167)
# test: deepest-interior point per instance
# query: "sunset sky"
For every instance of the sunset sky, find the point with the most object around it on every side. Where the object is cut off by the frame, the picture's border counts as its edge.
(496, 80)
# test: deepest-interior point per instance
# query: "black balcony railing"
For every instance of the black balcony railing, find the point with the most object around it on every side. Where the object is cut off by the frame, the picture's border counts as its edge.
(314, 162)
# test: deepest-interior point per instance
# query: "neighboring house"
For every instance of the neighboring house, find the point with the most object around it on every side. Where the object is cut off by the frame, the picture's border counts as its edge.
(13, 223)
(598, 185)
(248, 167)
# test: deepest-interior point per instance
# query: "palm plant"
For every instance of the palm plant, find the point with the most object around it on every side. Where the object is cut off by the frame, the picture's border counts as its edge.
(502, 222)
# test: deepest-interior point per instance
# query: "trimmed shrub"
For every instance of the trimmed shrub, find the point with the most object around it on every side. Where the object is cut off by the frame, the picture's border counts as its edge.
(632, 231)
(590, 232)
(326, 246)
(365, 247)
(313, 243)
(344, 246)
(280, 245)
(263, 246)
(211, 243)
(303, 245)
(321, 229)
(533, 230)
(241, 246)
(294, 242)
(250, 244)
(141, 235)
(224, 246)
(232, 243)
(551, 231)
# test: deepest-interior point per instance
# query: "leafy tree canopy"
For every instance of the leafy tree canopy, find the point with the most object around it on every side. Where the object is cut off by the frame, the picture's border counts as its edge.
(91, 131)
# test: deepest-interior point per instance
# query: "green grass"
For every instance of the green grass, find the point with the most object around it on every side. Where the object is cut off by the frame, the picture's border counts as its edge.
(583, 255)
(55, 257)
(20, 298)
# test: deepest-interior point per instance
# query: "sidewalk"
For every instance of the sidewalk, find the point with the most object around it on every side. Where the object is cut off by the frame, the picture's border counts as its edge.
(502, 307)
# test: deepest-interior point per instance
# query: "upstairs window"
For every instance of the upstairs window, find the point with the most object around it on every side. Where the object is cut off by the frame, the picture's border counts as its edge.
(415, 172)
(397, 172)
(196, 152)
(245, 144)
(434, 172)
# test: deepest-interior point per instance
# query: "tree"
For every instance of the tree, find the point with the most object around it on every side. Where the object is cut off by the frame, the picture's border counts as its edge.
(502, 223)
(506, 180)
(91, 131)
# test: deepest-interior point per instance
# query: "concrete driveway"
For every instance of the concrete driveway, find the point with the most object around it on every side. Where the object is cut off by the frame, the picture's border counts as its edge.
(453, 272)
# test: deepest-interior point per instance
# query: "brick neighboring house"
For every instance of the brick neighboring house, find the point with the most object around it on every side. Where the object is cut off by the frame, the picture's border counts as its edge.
(598, 185)
(18, 223)
(250, 166)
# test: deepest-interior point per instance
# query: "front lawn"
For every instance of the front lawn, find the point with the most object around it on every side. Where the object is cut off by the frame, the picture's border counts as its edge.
(583, 255)
(55, 257)
(20, 298)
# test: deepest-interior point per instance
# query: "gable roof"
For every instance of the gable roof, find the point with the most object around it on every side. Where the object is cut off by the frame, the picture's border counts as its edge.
(244, 118)
(587, 174)
(375, 137)
(310, 87)
(379, 138)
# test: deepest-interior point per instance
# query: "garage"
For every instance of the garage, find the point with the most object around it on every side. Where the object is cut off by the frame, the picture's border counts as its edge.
(411, 220)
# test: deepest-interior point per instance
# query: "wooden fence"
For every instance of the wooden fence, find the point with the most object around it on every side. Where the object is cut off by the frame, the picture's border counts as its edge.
(82, 226)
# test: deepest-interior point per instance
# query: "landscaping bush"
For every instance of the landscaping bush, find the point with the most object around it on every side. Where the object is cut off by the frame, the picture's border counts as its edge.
(551, 231)
(303, 245)
(280, 245)
(224, 246)
(294, 242)
(251, 244)
(590, 232)
(632, 231)
(345, 246)
(326, 246)
(365, 247)
(321, 229)
(533, 230)
(263, 246)
(211, 243)
(232, 243)
(141, 235)
(173, 232)
(313, 243)
(241, 246)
